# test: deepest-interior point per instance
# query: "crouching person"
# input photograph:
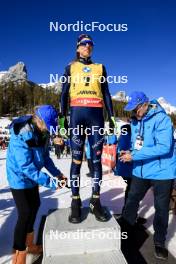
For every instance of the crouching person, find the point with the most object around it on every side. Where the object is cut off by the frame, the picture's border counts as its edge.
(27, 154)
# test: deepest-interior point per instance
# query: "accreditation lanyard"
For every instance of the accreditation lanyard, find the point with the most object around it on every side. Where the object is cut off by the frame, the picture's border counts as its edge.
(139, 138)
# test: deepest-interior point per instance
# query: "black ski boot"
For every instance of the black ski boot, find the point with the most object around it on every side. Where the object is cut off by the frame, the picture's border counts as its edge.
(75, 215)
(96, 209)
(161, 252)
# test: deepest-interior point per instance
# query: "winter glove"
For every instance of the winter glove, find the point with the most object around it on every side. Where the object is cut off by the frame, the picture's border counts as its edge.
(114, 128)
(112, 122)
(63, 123)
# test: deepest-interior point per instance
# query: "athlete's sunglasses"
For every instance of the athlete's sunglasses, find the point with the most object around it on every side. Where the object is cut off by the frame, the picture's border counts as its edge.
(85, 42)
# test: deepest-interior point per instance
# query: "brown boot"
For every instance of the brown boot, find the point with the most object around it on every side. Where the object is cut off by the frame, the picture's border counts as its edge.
(31, 247)
(19, 257)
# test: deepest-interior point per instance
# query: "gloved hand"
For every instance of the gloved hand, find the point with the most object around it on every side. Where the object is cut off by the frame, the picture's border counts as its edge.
(114, 128)
(112, 122)
(62, 181)
(63, 123)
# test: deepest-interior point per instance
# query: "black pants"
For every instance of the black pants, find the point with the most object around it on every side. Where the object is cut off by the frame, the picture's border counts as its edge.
(162, 192)
(27, 203)
(128, 182)
(58, 150)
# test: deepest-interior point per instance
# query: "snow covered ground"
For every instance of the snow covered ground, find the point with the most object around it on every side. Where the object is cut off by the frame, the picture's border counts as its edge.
(4, 122)
(112, 196)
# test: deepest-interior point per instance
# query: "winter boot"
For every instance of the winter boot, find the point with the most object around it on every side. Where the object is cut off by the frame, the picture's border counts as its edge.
(75, 215)
(96, 209)
(31, 247)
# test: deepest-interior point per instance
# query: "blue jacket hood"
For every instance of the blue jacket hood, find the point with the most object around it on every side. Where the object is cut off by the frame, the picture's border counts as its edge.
(18, 123)
(154, 108)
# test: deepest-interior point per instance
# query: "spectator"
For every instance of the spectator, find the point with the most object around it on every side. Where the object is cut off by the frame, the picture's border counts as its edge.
(27, 154)
(154, 164)
(59, 146)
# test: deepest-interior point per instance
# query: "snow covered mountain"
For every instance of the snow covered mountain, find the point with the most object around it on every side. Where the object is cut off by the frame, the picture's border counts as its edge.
(2, 73)
(120, 96)
(167, 106)
(16, 73)
(56, 86)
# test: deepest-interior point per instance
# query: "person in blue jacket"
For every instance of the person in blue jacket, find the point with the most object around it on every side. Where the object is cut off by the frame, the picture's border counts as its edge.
(154, 164)
(28, 153)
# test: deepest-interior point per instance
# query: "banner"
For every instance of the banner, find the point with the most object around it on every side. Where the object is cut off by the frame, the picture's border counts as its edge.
(109, 156)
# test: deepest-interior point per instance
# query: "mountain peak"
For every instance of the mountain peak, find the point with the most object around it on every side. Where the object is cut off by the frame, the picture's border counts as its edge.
(162, 100)
(16, 73)
(167, 106)
(120, 96)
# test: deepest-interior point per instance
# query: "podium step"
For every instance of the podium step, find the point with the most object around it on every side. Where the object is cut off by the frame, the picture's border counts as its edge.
(110, 257)
(81, 243)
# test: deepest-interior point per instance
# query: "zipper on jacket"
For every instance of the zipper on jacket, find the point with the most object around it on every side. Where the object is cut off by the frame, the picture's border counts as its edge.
(142, 169)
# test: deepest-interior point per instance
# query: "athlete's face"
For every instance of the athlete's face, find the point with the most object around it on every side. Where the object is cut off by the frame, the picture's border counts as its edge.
(85, 51)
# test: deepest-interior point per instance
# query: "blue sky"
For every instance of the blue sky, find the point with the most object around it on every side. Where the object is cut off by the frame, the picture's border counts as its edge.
(146, 53)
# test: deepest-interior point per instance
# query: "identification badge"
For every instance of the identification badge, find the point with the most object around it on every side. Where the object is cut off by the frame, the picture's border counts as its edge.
(138, 143)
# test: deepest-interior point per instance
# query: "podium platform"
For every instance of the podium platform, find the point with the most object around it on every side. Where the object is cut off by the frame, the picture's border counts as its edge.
(89, 242)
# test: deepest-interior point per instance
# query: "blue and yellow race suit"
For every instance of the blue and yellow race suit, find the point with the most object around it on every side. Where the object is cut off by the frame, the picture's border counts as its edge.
(86, 88)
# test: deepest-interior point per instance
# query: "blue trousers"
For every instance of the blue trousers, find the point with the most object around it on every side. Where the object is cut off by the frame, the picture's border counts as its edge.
(90, 118)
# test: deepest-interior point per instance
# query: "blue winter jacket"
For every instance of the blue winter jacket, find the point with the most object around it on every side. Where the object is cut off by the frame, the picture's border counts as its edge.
(157, 158)
(26, 156)
(111, 139)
